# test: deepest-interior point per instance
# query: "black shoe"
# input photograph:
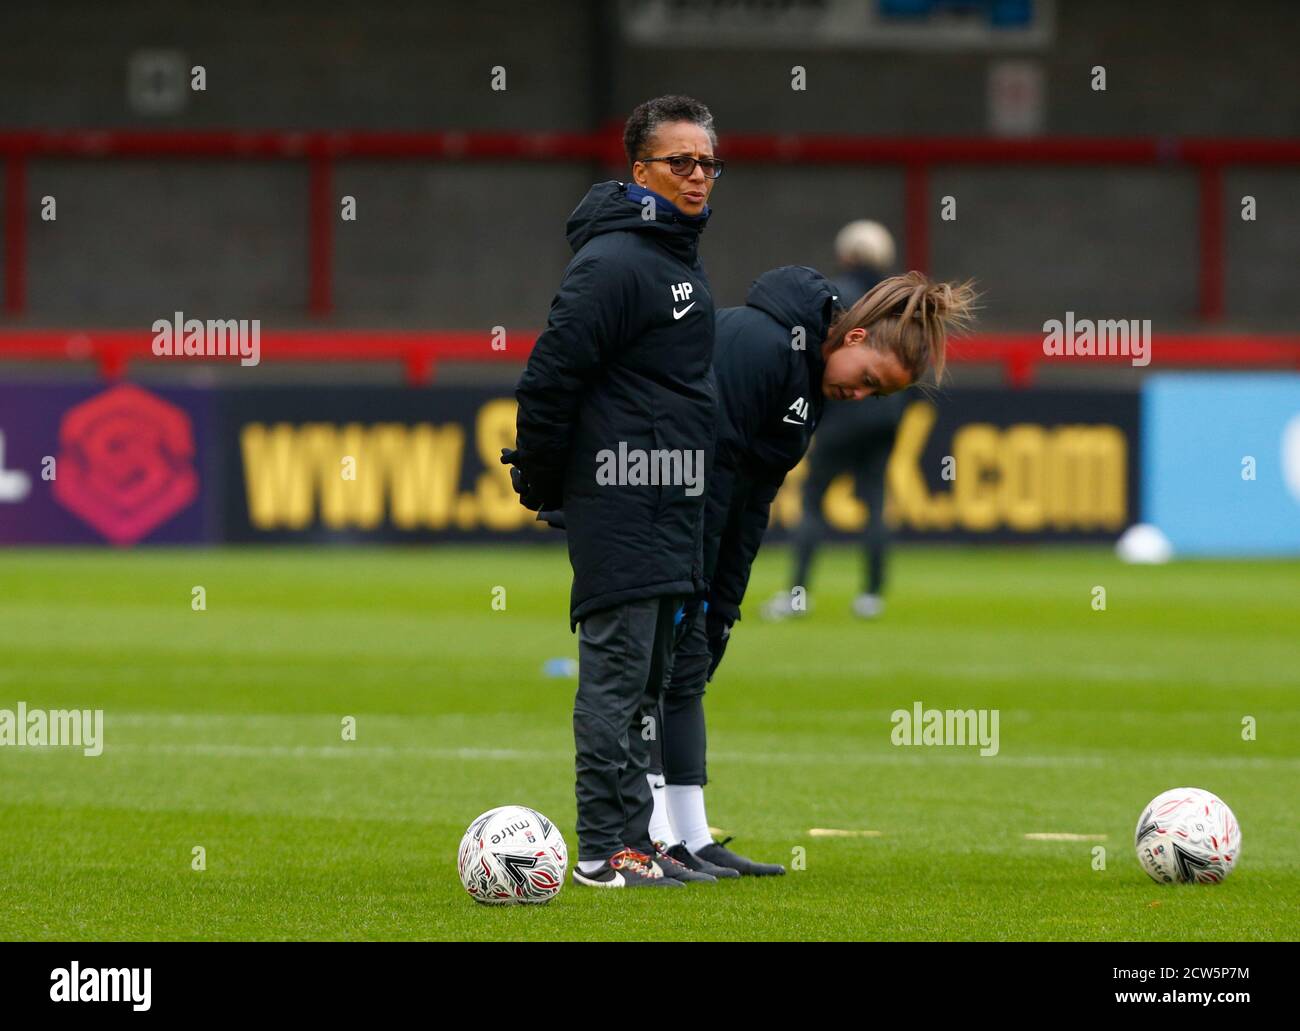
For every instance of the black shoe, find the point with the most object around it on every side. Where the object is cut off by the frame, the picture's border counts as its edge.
(718, 854)
(678, 870)
(626, 869)
(691, 861)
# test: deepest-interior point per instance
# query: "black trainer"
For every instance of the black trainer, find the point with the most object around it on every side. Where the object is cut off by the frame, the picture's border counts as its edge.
(691, 861)
(626, 869)
(718, 854)
(677, 870)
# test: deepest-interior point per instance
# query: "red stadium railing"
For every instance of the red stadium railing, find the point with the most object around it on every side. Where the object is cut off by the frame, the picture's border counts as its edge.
(915, 157)
(1020, 355)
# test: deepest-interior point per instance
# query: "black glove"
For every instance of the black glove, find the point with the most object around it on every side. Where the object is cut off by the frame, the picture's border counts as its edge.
(687, 613)
(718, 630)
(553, 517)
(532, 495)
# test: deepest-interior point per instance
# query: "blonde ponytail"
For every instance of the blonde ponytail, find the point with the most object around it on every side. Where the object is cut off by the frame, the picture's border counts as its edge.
(910, 316)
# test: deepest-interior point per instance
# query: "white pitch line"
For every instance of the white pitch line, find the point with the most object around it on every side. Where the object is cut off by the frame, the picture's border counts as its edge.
(1065, 837)
(832, 832)
(344, 751)
(965, 757)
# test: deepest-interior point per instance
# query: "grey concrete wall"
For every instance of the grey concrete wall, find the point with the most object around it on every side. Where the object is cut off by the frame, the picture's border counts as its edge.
(1263, 256)
(1197, 67)
(1200, 67)
(136, 240)
(1102, 242)
(394, 64)
(476, 245)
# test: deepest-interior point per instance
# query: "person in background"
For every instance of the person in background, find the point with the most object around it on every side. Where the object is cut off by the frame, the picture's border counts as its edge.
(852, 438)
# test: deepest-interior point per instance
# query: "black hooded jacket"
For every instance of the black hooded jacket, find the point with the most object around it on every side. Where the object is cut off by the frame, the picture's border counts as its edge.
(623, 366)
(768, 363)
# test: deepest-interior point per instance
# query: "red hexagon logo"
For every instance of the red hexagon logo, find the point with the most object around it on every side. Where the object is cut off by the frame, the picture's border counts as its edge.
(126, 462)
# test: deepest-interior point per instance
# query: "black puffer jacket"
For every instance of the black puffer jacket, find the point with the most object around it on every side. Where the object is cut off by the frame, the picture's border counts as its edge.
(769, 401)
(624, 361)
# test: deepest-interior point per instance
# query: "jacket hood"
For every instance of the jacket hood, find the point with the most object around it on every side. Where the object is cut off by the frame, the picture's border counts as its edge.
(796, 295)
(613, 206)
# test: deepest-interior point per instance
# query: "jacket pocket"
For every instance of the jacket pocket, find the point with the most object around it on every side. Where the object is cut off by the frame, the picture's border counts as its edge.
(679, 459)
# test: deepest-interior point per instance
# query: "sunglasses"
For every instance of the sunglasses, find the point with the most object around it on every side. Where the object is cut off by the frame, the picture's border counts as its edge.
(684, 164)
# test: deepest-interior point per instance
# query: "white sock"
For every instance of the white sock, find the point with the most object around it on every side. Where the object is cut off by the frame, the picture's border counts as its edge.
(590, 865)
(661, 827)
(686, 810)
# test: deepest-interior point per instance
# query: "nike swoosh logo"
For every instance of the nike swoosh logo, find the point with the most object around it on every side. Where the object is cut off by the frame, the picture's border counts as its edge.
(619, 881)
(796, 422)
(678, 314)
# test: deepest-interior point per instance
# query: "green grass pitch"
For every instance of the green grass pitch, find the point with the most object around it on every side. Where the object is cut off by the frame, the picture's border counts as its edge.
(223, 730)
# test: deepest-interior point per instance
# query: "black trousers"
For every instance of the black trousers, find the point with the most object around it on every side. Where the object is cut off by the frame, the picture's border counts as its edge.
(624, 658)
(867, 457)
(679, 753)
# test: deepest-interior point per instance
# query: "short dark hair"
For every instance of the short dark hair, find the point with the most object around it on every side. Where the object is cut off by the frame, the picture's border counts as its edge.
(647, 117)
